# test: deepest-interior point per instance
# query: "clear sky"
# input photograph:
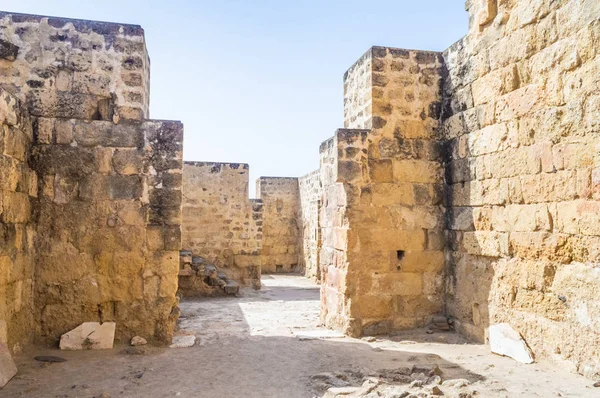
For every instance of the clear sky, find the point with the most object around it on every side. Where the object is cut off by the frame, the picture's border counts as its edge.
(260, 81)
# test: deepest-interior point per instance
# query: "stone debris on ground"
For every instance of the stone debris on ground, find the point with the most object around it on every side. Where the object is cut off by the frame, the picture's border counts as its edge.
(403, 382)
(504, 340)
(184, 341)
(199, 278)
(137, 341)
(318, 334)
(89, 336)
(7, 366)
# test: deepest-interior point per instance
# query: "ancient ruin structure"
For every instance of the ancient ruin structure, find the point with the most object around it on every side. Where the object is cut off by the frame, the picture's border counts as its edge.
(464, 184)
(91, 189)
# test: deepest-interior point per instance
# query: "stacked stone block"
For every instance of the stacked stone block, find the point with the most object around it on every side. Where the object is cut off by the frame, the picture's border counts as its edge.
(390, 217)
(522, 137)
(18, 193)
(108, 213)
(220, 223)
(108, 225)
(75, 69)
(311, 192)
(281, 224)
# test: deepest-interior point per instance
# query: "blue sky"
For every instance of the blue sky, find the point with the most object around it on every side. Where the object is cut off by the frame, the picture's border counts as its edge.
(260, 81)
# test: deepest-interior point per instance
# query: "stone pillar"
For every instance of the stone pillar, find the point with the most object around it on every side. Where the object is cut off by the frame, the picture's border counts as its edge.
(388, 221)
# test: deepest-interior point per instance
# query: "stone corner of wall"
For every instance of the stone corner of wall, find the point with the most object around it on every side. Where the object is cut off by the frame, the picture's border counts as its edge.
(366, 55)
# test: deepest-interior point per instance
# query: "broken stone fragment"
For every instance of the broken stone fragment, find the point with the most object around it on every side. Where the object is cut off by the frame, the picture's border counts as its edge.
(335, 392)
(137, 340)
(183, 341)
(456, 383)
(7, 366)
(89, 336)
(504, 340)
(8, 50)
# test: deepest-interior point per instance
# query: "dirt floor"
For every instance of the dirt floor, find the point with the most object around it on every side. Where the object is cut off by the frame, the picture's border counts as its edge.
(264, 344)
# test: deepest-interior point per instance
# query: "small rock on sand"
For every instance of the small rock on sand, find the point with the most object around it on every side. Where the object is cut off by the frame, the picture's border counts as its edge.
(137, 340)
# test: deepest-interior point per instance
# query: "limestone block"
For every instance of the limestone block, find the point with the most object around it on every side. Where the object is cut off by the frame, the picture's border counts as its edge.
(380, 170)
(44, 130)
(137, 341)
(183, 341)
(348, 171)
(372, 306)
(493, 244)
(504, 340)
(422, 261)
(89, 336)
(518, 103)
(401, 283)
(419, 171)
(128, 162)
(7, 366)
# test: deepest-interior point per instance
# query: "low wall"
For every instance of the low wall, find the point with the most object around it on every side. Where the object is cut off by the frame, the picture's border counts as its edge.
(220, 223)
(281, 224)
(18, 193)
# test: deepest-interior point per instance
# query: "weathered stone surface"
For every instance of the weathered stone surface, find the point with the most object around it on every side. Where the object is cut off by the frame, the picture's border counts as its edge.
(79, 75)
(183, 341)
(7, 366)
(137, 340)
(89, 336)
(8, 50)
(216, 195)
(504, 340)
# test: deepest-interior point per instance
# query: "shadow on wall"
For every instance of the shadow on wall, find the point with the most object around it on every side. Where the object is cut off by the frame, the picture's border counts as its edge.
(470, 253)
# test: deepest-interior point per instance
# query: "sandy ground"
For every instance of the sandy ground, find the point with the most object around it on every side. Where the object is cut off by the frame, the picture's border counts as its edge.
(249, 347)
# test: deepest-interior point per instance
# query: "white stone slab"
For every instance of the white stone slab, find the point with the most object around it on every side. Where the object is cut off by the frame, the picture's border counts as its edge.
(89, 336)
(504, 340)
(183, 341)
(7, 366)
(319, 334)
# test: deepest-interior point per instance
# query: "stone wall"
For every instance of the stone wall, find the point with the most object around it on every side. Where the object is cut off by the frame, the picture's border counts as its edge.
(75, 69)
(281, 250)
(18, 192)
(389, 219)
(108, 225)
(220, 223)
(522, 99)
(311, 192)
(105, 233)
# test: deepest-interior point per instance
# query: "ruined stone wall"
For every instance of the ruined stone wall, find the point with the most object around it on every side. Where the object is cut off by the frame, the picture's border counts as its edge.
(389, 211)
(75, 69)
(522, 99)
(106, 226)
(311, 192)
(332, 257)
(18, 192)
(281, 250)
(220, 223)
(108, 229)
